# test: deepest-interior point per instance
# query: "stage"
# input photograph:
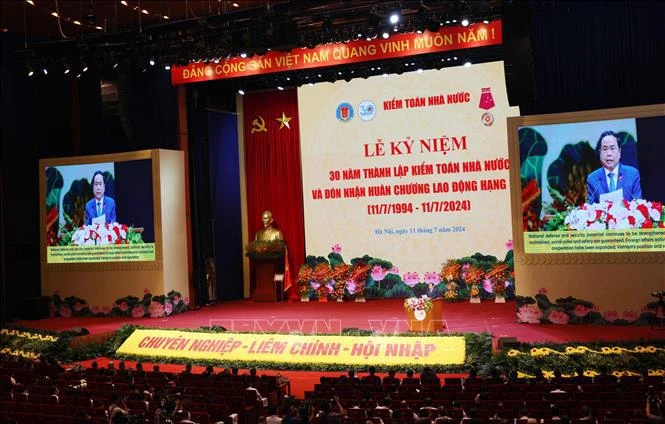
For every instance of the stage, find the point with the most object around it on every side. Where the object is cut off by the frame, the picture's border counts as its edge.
(384, 315)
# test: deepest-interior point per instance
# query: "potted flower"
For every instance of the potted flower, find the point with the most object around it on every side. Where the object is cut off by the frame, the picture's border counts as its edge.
(419, 306)
(304, 276)
(451, 291)
(322, 292)
(474, 294)
(499, 275)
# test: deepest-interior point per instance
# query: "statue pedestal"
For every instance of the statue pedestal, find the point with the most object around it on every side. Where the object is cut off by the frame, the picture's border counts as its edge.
(262, 276)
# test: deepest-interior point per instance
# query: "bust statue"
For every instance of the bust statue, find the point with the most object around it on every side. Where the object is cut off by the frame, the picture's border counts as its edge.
(268, 232)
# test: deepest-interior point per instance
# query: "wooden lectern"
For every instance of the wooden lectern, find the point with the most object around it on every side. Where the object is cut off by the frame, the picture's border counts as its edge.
(432, 322)
(262, 275)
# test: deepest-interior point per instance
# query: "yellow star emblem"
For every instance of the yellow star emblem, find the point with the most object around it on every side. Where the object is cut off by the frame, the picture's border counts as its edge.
(284, 121)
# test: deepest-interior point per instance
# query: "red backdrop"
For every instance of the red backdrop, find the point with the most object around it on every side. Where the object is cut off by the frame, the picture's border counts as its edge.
(272, 167)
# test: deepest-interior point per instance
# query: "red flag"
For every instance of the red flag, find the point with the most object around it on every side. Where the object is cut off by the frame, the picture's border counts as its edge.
(287, 270)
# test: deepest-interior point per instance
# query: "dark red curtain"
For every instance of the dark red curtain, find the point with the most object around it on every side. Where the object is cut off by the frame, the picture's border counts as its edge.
(272, 167)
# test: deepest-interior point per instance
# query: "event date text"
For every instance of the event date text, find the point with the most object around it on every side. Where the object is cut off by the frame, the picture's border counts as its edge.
(425, 207)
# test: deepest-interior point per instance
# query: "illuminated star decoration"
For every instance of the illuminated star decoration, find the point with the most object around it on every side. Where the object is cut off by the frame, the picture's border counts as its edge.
(284, 121)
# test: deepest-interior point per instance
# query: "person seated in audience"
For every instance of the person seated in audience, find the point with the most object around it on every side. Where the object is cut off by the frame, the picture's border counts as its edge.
(390, 379)
(180, 412)
(385, 403)
(555, 415)
(272, 417)
(429, 378)
(371, 378)
(351, 377)
(139, 372)
(55, 394)
(187, 371)
(429, 407)
(371, 414)
(423, 417)
(523, 414)
(585, 415)
(118, 411)
(209, 372)
(410, 379)
(253, 377)
(557, 388)
(442, 416)
(405, 410)
(290, 415)
(329, 416)
(655, 406)
(259, 398)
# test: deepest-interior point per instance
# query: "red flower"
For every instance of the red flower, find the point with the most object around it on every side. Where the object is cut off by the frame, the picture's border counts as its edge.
(626, 204)
(643, 210)
(581, 310)
(657, 206)
(647, 224)
(631, 220)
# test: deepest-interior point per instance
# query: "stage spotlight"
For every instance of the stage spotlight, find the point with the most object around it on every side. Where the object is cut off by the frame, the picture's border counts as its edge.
(385, 35)
(486, 21)
(243, 55)
(419, 70)
(241, 92)
(465, 22)
(123, 2)
(45, 70)
(467, 64)
(280, 88)
(31, 71)
(84, 66)
(151, 62)
(30, 2)
(394, 18)
(167, 67)
(78, 76)
(66, 67)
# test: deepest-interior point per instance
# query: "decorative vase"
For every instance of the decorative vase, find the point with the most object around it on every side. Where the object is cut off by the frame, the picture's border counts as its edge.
(474, 299)
(304, 298)
(323, 299)
(499, 298)
(360, 299)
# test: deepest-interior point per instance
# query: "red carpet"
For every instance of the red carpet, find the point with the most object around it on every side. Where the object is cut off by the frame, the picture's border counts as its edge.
(385, 315)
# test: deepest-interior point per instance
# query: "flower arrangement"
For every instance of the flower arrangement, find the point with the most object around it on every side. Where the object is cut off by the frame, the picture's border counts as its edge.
(305, 274)
(259, 249)
(614, 216)
(129, 306)
(102, 234)
(451, 291)
(422, 303)
(475, 291)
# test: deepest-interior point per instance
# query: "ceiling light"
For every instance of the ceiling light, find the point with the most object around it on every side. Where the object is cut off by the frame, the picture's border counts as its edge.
(30, 2)
(166, 17)
(419, 71)
(99, 28)
(241, 92)
(123, 2)
(145, 12)
(235, 4)
(115, 65)
(486, 21)
(55, 14)
(84, 66)
(31, 71)
(167, 67)
(76, 23)
(243, 55)
(467, 64)
(151, 62)
(385, 35)
(66, 71)
(44, 70)
(78, 76)
(465, 22)
(394, 18)
(280, 88)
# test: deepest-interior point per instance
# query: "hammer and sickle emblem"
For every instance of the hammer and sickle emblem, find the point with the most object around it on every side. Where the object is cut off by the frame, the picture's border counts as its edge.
(258, 125)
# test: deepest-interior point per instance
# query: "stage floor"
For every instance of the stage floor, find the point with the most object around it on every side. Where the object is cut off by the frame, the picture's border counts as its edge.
(385, 315)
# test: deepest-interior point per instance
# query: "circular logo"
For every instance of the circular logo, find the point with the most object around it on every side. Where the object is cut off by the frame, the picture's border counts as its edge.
(487, 119)
(344, 112)
(366, 110)
(419, 314)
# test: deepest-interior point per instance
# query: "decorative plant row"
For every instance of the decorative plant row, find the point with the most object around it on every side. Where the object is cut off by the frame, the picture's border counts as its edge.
(569, 310)
(130, 306)
(478, 275)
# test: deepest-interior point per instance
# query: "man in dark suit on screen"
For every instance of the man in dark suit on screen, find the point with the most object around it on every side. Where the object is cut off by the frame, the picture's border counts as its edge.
(100, 205)
(612, 175)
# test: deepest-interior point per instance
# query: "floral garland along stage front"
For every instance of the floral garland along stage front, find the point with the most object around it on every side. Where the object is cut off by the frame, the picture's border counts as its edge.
(100, 235)
(129, 306)
(569, 310)
(481, 276)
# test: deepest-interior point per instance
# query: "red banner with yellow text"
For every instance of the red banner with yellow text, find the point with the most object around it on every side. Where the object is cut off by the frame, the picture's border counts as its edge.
(399, 45)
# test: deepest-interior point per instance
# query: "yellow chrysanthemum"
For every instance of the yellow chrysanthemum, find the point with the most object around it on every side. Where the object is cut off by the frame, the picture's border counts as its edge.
(651, 349)
(605, 350)
(570, 350)
(548, 374)
(513, 352)
(639, 349)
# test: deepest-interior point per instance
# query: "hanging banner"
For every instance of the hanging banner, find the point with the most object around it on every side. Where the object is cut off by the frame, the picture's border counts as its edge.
(399, 45)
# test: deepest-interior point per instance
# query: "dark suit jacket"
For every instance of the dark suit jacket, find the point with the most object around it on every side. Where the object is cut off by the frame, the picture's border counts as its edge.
(628, 180)
(108, 210)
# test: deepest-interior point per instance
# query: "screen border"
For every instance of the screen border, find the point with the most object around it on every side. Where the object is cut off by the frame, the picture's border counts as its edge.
(157, 264)
(513, 126)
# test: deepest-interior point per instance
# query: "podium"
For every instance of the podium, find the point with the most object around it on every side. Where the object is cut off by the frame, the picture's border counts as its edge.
(262, 278)
(432, 321)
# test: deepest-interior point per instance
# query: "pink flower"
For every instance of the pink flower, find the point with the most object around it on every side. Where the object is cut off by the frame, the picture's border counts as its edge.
(378, 273)
(94, 309)
(530, 314)
(351, 286)
(156, 310)
(168, 308)
(394, 270)
(411, 278)
(542, 290)
(123, 306)
(509, 244)
(581, 310)
(65, 311)
(78, 306)
(611, 316)
(487, 285)
(106, 309)
(337, 248)
(630, 316)
(315, 285)
(138, 311)
(432, 278)
(559, 317)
